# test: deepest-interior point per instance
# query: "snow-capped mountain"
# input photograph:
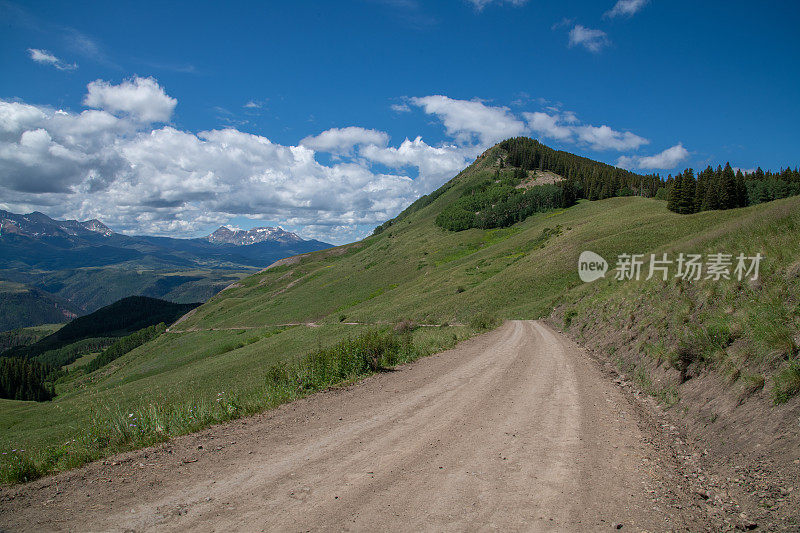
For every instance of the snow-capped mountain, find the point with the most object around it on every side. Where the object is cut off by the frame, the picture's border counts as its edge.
(38, 225)
(225, 235)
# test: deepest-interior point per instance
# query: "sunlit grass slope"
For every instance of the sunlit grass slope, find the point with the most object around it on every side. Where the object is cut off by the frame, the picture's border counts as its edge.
(217, 360)
(666, 333)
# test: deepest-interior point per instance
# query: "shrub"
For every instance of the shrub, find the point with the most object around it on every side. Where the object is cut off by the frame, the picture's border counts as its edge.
(719, 335)
(483, 321)
(405, 326)
(753, 383)
(568, 316)
(492, 204)
(369, 352)
(19, 468)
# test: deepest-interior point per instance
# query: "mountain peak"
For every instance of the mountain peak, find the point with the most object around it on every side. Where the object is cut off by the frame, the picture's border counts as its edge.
(97, 226)
(238, 237)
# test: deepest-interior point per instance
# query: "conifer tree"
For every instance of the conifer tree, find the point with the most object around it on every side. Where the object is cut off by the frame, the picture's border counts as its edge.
(687, 192)
(741, 189)
(674, 193)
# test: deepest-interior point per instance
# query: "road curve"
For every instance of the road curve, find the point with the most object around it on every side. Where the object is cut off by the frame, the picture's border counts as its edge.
(516, 429)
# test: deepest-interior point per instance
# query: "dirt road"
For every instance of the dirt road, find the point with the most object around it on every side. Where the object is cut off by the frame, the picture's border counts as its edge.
(514, 430)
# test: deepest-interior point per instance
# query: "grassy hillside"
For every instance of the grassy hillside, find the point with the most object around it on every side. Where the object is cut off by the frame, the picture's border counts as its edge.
(217, 362)
(721, 343)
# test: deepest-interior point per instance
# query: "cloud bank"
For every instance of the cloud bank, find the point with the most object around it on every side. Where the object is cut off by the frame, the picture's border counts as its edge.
(122, 161)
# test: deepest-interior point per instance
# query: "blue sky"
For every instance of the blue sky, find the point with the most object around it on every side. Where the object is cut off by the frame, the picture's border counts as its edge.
(174, 119)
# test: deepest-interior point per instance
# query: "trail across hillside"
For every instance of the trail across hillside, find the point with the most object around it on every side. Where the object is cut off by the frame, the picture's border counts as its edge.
(513, 430)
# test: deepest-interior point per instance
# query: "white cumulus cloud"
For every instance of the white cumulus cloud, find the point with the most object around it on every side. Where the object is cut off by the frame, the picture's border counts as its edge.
(605, 138)
(668, 159)
(565, 126)
(141, 98)
(549, 126)
(435, 165)
(112, 164)
(469, 119)
(343, 140)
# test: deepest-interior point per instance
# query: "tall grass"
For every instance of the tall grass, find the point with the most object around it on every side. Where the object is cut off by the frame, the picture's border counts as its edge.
(787, 383)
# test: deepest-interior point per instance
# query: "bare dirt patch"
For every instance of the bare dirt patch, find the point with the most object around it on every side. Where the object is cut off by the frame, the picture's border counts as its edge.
(540, 177)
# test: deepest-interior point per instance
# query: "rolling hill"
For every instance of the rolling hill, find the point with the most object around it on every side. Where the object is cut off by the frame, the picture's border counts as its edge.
(218, 362)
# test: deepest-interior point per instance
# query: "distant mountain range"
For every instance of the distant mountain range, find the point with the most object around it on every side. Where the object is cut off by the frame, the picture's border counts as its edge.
(38, 241)
(86, 265)
(37, 225)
